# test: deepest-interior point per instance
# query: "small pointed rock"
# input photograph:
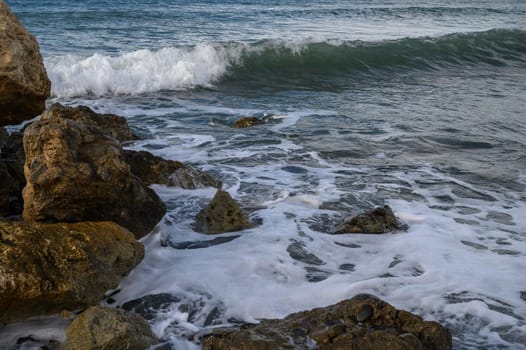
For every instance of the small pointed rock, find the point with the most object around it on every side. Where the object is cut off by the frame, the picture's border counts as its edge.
(223, 214)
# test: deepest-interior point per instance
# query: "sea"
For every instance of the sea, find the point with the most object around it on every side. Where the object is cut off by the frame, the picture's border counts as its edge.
(415, 104)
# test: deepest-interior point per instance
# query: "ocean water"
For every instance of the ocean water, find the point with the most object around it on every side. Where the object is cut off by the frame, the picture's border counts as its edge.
(416, 104)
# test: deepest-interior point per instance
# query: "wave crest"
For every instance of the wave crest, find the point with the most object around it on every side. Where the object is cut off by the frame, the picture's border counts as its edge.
(136, 72)
(202, 65)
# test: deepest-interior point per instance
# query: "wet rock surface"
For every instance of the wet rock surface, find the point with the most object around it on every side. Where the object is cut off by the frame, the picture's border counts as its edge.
(199, 244)
(104, 328)
(156, 170)
(46, 268)
(298, 252)
(246, 122)
(361, 323)
(378, 220)
(75, 171)
(24, 85)
(222, 214)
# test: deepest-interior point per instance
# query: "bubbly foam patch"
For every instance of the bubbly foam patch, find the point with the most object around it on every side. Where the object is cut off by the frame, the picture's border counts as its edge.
(456, 263)
(136, 72)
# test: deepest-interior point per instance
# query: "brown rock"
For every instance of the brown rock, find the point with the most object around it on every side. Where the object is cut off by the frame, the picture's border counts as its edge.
(336, 328)
(104, 328)
(156, 170)
(247, 122)
(24, 85)
(76, 171)
(223, 214)
(378, 220)
(114, 125)
(45, 268)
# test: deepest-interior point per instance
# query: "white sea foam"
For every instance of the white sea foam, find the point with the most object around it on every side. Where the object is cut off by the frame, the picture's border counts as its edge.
(440, 268)
(138, 72)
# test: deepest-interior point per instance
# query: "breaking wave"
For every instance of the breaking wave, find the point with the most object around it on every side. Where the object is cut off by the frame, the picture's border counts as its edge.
(206, 64)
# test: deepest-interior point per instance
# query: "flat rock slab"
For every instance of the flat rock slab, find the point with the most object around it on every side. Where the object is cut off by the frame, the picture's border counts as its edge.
(361, 323)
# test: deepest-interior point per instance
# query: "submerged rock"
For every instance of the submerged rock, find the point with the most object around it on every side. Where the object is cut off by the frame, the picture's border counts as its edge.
(105, 328)
(24, 84)
(46, 268)
(223, 214)
(378, 220)
(361, 323)
(11, 175)
(247, 122)
(76, 171)
(156, 170)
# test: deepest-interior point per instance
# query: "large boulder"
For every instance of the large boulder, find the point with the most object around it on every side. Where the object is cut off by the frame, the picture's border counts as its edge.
(156, 170)
(11, 175)
(222, 214)
(24, 85)
(104, 328)
(76, 171)
(378, 220)
(361, 323)
(46, 268)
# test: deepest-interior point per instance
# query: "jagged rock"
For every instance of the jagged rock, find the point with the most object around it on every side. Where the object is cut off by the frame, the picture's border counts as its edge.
(156, 170)
(114, 125)
(337, 327)
(247, 122)
(46, 268)
(223, 214)
(378, 220)
(24, 85)
(105, 328)
(11, 175)
(75, 171)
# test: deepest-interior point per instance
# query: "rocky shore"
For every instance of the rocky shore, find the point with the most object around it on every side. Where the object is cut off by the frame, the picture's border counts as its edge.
(73, 203)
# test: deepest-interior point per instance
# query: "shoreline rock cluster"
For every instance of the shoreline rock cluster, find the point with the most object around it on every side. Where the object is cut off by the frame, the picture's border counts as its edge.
(73, 203)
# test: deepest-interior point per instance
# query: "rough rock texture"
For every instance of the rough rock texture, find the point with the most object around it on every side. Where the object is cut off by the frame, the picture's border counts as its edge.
(361, 323)
(156, 170)
(76, 171)
(247, 122)
(104, 328)
(45, 268)
(24, 85)
(114, 125)
(12, 178)
(222, 214)
(378, 220)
